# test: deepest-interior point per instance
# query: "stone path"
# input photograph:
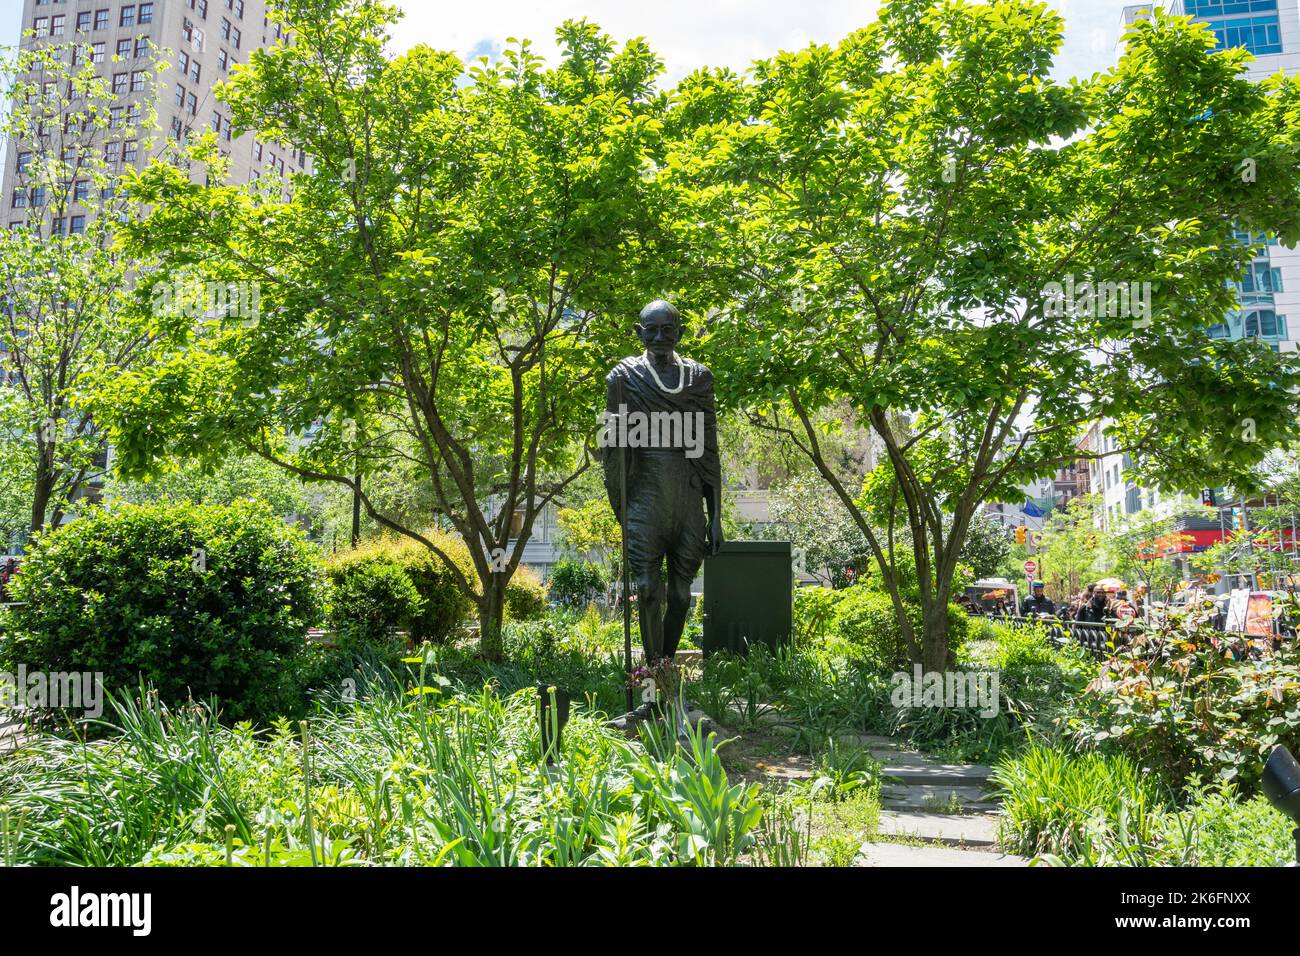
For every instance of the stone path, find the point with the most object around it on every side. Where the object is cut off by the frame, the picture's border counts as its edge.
(945, 806)
(12, 736)
(898, 854)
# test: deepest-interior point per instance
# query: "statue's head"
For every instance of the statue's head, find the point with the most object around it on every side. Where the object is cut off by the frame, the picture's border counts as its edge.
(660, 328)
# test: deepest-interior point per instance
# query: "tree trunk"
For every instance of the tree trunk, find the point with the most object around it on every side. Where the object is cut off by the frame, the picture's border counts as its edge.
(42, 491)
(935, 653)
(491, 616)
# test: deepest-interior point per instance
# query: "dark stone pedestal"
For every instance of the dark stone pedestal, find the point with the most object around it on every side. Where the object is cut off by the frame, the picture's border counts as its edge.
(748, 596)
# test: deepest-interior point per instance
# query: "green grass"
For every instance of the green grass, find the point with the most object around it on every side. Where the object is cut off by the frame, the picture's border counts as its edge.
(1060, 803)
(1220, 829)
(448, 775)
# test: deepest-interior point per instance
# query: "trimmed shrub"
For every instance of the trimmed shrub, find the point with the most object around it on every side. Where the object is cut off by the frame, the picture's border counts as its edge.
(577, 583)
(865, 621)
(197, 601)
(371, 599)
(399, 584)
(525, 597)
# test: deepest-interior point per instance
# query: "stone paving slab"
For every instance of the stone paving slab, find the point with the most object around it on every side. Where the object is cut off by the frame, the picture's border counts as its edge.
(931, 799)
(910, 769)
(898, 854)
(968, 829)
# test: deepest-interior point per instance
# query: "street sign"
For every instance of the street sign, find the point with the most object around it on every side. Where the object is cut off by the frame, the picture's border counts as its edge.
(1030, 568)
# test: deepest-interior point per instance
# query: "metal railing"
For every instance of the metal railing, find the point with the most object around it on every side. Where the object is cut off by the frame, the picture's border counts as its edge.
(1099, 640)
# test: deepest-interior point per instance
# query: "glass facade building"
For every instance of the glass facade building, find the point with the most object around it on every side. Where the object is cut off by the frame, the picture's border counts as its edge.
(1255, 25)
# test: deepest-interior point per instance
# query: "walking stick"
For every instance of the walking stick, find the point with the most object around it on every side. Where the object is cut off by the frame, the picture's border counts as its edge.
(622, 500)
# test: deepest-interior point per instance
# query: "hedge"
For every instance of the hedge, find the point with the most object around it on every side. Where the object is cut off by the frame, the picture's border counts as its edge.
(399, 584)
(197, 601)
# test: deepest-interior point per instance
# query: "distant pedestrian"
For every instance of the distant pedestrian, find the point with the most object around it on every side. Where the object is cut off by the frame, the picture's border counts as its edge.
(1037, 603)
(1096, 610)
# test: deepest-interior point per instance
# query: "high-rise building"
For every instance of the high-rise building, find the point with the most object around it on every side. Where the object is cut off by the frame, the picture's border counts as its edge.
(201, 40)
(1270, 290)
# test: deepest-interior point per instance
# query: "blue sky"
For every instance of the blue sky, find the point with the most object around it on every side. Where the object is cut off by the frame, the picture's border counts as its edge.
(688, 33)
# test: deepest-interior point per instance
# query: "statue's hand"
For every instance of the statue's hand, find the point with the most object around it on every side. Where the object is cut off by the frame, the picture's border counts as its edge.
(715, 534)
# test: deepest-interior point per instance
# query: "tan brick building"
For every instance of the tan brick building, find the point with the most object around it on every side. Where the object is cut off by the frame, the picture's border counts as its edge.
(201, 40)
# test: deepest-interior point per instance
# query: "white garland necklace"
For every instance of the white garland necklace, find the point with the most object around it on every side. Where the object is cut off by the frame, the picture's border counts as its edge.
(681, 374)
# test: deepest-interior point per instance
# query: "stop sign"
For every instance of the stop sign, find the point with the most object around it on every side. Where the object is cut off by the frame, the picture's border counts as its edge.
(1030, 568)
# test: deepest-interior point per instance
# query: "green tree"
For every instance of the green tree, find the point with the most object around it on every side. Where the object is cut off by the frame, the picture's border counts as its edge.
(1069, 548)
(592, 528)
(232, 479)
(1132, 546)
(987, 545)
(921, 222)
(68, 321)
(441, 296)
(820, 529)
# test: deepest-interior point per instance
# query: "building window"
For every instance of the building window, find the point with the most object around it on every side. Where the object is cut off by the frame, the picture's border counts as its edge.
(180, 95)
(81, 191)
(119, 84)
(146, 13)
(24, 160)
(1259, 35)
(124, 49)
(196, 71)
(127, 17)
(101, 19)
(78, 225)
(1219, 8)
(1261, 279)
(137, 81)
(42, 26)
(129, 150)
(19, 200)
(1265, 323)
(141, 46)
(58, 23)
(192, 102)
(83, 21)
